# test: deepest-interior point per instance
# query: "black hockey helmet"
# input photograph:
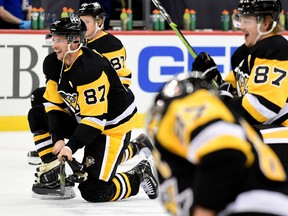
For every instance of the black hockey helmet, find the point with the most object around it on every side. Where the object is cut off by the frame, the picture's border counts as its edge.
(92, 9)
(179, 86)
(70, 27)
(260, 8)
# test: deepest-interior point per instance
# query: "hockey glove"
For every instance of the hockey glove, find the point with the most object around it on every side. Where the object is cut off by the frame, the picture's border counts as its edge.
(205, 64)
(79, 171)
(48, 172)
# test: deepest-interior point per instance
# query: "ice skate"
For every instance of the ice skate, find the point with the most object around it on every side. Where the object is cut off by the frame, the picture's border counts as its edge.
(51, 182)
(148, 181)
(144, 145)
(33, 158)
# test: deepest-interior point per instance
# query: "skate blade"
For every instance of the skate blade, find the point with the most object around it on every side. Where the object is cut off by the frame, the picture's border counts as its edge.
(56, 195)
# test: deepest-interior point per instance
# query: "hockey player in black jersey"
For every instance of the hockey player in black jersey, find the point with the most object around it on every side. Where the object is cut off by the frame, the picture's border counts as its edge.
(258, 84)
(93, 15)
(210, 161)
(87, 103)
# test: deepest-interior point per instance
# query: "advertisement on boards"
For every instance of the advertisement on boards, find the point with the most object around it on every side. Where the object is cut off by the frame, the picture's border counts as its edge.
(153, 59)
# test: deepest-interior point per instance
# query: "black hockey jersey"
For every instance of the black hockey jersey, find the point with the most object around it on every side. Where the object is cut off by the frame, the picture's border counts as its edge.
(92, 90)
(112, 48)
(208, 156)
(261, 80)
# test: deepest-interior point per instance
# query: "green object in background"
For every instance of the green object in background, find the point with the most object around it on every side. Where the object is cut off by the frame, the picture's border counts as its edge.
(70, 12)
(286, 22)
(193, 20)
(123, 19)
(186, 19)
(41, 19)
(225, 20)
(156, 20)
(130, 19)
(161, 22)
(234, 28)
(64, 12)
(282, 19)
(34, 18)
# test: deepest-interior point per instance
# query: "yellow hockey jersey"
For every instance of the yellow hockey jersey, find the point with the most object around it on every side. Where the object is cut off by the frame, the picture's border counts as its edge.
(91, 89)
(207, 155)
(261, 81)
(112, 48)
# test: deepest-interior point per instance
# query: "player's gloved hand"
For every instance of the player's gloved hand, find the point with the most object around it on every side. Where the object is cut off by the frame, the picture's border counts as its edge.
(25, 24)
(78, 177)
(48, 172)
(204, 63)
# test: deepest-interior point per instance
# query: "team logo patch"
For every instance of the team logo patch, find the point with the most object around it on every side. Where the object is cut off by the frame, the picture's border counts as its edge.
(89, 161)
(70, 100)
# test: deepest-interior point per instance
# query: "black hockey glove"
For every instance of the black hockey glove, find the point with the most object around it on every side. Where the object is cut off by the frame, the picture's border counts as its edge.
(48, 172)
(79, 171)
(204, 63)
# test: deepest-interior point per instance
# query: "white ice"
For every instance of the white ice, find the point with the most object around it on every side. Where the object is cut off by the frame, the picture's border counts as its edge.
(17, 177)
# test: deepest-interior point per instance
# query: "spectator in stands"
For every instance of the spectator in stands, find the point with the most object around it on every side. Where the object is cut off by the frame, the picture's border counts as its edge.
(15, 14)
(107, 4)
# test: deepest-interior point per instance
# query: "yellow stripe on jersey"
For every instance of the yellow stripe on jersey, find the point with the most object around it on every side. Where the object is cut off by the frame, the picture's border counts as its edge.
(67, 67)
(93, 97)
(101, 35)
(275, 135)
(251, 109)
(93, 122)
(269, 162)
(51, 93)
(49, 107)
(226, 142)
(281, 132)
(123, 128)
(231, 79)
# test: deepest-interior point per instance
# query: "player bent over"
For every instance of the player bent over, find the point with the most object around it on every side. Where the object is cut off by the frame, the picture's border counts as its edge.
(210, 161)
(87, 103)
(38, 123)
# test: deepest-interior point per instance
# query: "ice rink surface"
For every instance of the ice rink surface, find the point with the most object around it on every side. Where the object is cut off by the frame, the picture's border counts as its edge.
(17, 177)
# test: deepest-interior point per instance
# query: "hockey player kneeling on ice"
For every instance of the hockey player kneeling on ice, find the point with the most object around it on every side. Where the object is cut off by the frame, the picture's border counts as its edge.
(93, 14)
(88, 105)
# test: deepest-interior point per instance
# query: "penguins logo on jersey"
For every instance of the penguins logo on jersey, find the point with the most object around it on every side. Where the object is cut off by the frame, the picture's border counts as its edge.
(241, 80)
(71, 101)
(89, 161)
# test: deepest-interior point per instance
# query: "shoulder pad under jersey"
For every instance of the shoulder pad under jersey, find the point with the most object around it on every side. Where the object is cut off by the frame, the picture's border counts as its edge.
(52, 67)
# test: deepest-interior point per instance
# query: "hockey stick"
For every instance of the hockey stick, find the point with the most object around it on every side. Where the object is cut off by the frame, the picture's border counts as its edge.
(174, 27)
(178, 33)
(62, 176)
